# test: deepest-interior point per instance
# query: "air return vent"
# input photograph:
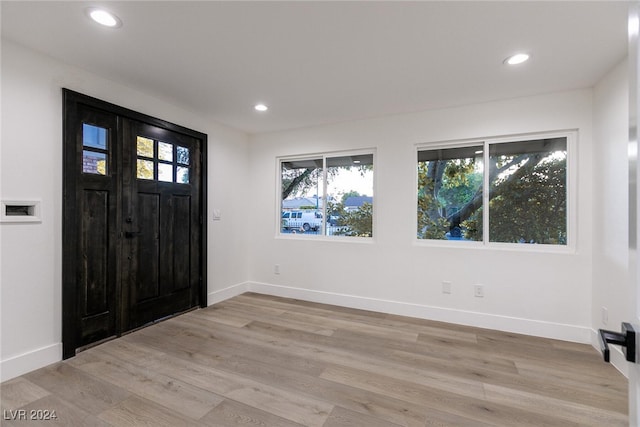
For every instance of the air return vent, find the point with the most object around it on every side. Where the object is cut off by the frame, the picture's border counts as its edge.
(20, 211)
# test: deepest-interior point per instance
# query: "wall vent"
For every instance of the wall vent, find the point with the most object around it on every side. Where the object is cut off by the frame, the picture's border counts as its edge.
(20, 211)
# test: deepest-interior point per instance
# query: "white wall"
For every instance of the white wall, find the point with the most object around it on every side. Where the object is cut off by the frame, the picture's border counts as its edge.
(547, 294)
(31, 168)
(538, 293)
(610, 206)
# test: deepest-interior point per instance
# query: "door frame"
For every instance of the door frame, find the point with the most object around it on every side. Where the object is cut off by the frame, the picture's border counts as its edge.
(71, 101)
(633, 28)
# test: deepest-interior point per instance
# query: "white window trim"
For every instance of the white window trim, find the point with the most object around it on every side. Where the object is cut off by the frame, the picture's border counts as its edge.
(572, 189)
(322, 236)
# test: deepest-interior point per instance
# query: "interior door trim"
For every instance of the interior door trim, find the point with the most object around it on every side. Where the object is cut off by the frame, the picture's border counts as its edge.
(72, 102)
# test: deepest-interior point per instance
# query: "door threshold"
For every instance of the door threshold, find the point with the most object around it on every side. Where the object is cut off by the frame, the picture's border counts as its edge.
(162, 319)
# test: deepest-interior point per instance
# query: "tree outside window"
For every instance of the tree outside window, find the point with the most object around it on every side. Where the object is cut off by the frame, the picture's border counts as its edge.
(330, 195)
(525, 183)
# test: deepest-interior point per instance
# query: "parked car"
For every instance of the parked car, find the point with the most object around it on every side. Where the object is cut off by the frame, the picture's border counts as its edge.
(301, 220)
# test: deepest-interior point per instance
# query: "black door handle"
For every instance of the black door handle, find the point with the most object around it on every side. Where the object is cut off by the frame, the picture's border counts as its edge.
(626, 339)
(132, 234)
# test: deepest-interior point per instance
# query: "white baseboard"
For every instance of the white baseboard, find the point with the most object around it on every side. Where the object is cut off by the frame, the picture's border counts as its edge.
(537, 328)
(23, 363)
(39, 358)
(616, 356)
(30, 361)
(226, 293)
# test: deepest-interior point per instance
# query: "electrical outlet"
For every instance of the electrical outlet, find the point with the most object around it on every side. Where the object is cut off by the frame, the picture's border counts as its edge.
(478, 291)
(276, 269)
(605, 315)
(446, 287)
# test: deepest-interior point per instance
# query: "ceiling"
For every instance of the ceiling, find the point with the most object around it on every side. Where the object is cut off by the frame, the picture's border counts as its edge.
(317, 62)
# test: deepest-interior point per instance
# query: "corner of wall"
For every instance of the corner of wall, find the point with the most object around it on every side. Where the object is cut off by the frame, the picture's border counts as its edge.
(226, 293)
(32, 360)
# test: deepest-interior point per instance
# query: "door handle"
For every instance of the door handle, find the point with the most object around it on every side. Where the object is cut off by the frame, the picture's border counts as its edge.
(132, 234)
(626, 339)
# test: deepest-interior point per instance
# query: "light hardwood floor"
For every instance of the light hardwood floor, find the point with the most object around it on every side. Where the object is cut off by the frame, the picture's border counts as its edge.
(258, 360)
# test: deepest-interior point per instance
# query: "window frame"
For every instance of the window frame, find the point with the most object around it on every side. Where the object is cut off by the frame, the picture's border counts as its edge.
(322, 233)
(571, 136)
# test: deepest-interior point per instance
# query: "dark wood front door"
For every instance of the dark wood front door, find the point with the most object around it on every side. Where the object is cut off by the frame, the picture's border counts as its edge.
(133, 234)
(162, 222)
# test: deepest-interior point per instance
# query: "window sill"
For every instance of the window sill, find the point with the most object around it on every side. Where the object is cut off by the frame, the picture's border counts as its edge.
(510, 247)
(323, 238)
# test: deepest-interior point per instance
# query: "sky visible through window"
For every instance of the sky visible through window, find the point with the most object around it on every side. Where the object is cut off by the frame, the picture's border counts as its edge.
(346, 180)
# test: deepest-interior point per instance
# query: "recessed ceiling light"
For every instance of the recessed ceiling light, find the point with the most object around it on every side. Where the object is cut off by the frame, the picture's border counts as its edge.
(104, 17)
(516, 59)
(260, 107)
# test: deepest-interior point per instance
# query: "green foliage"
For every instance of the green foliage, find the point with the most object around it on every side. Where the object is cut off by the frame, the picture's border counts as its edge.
(431, 223)
(444, 187)
(473, 226)
(357, 223)
(531, 208)
(527, 198)
(296, 181)
(459, 173)
(348, 194)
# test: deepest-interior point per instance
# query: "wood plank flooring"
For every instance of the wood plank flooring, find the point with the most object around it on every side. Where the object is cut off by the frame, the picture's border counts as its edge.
(257, 360)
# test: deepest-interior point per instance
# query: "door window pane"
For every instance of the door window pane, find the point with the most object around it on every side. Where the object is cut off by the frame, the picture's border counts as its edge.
(164, 160)
(165, 151)
(144, 169)
(94, 162)
(165, 172)
(94, 136)
(182, 175)
(183, 155)
(145, 147)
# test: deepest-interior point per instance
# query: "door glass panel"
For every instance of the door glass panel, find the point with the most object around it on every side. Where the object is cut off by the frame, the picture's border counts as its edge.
(145, 147)
(93, 162)
(165, 151)
(182, 175)
(94, 136)
(165, 172)
(144, 169)
(183, 155)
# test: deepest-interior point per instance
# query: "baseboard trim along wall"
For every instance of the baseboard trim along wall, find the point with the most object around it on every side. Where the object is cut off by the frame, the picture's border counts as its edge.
(616, 356)
(226, 293)
(39, 358)
(30, 361)
(573, 333)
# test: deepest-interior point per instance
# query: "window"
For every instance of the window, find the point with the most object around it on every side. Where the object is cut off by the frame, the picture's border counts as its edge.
(329, 195)
(496, 191)
(156, 161)
(95, 149)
